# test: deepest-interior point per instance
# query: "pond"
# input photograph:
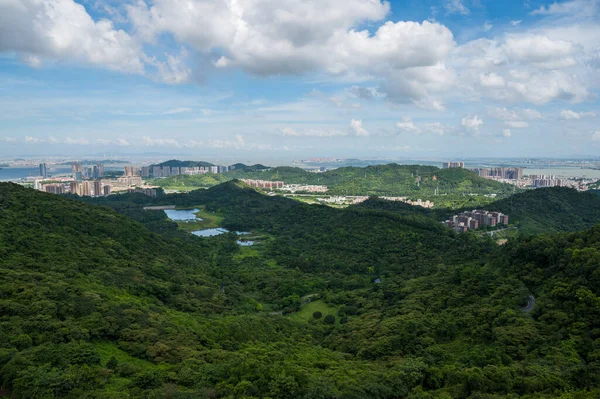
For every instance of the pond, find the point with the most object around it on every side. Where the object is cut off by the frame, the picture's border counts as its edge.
(183, 215)
(245, 243)
(215, 232)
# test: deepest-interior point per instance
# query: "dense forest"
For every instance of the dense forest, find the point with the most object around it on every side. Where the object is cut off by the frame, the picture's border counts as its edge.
(545, 210)
(101, 299)
(381, 180)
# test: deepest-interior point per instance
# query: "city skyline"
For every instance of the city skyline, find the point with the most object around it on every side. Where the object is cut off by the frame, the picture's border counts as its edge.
(358, 78)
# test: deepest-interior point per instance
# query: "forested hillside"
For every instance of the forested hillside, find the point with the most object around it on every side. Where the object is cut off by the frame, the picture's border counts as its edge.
(549, 210)
(96, 305)
(383, 180)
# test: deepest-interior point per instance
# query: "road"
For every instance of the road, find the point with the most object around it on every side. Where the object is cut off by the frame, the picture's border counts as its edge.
(530, 304)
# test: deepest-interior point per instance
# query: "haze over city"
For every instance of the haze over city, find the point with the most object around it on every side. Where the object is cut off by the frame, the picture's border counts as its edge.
(262, 78)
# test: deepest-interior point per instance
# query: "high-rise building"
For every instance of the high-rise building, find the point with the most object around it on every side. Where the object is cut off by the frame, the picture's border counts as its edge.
(106, 190)
(98, 188)
(43, 170)
(146, 171)
(450, 165)
(77, 168)
(54, 188)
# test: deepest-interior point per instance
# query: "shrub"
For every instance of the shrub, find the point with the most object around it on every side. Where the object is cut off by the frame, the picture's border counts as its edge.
(317, 315)
(329, 319)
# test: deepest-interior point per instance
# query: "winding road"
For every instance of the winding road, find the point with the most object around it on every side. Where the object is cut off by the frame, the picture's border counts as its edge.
(530, 304)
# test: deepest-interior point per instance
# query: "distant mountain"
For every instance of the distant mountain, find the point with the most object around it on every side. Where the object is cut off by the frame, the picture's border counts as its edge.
(185, 164)
(94, 162)
(250, 168)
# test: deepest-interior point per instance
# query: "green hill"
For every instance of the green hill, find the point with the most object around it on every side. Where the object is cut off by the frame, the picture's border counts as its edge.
(549, 210)
(184, 164)
(95, 305)
(383, 180)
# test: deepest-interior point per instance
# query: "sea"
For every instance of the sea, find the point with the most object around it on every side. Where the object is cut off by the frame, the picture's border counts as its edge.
(16, 174)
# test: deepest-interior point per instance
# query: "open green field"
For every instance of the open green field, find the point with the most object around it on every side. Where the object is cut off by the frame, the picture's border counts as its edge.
(306, 312)
(209, 220)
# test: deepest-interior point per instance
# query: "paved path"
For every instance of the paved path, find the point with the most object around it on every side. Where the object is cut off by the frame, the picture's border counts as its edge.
(530, 304)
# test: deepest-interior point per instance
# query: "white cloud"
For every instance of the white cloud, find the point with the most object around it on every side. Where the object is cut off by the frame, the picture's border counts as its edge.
(574, 7)
(237, 144)
(491, 80)
(517, 124)
(506, 133)
(122, 142)
(540, 50)
(596, 135)
(514, 114)
(33, 140)
(408, 126)
(103, 141)
(8, 139)
(567, 114)
(61, 30)
(456, 7)
(311, 133)
(515, 23)
(151, 142)
(437, 128)
(357, 128)
(472, 124)
(72, 141)
(178, 111)
(487, 26)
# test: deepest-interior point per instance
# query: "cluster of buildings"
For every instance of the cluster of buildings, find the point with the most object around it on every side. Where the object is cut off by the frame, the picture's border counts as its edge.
(87, 188)
(293, 188)
(475, 219)
(425, 204)
(540, 181)
(451, 165)
(88, 172)
(166, 171)
(271, 185)
(500, 173)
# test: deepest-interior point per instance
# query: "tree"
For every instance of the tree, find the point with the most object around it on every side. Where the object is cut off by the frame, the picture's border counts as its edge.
(317, 315)
(329, 319)
(112, 363)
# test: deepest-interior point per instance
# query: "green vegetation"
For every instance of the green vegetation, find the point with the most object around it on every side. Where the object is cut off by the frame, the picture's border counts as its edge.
(456, 185)
(307, 312)
(550, 210)
(184, 164)
(101, 299)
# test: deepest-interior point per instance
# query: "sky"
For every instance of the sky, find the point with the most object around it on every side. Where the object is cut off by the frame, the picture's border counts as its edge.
(300, 78)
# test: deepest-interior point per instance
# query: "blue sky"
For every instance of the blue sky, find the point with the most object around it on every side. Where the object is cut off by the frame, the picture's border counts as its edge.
(299, 78)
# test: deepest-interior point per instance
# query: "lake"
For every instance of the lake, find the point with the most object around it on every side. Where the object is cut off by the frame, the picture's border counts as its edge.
(215, 232)
(564, 172)
(184, 215)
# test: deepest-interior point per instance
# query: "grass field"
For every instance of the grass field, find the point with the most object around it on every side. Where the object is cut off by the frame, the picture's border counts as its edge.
(209, 220)
(306, 312)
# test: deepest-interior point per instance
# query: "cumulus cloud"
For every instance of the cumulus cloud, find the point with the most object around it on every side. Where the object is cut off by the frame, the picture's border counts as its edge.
(122, 142)
(456, 7)
(8, 139)
(596, 135)
(506, 133)
(237, 144)
(437, 128)
(63, 30)
(568, 115)
(472, 124)
(357, 128)
(408, 126)
(541, 51)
